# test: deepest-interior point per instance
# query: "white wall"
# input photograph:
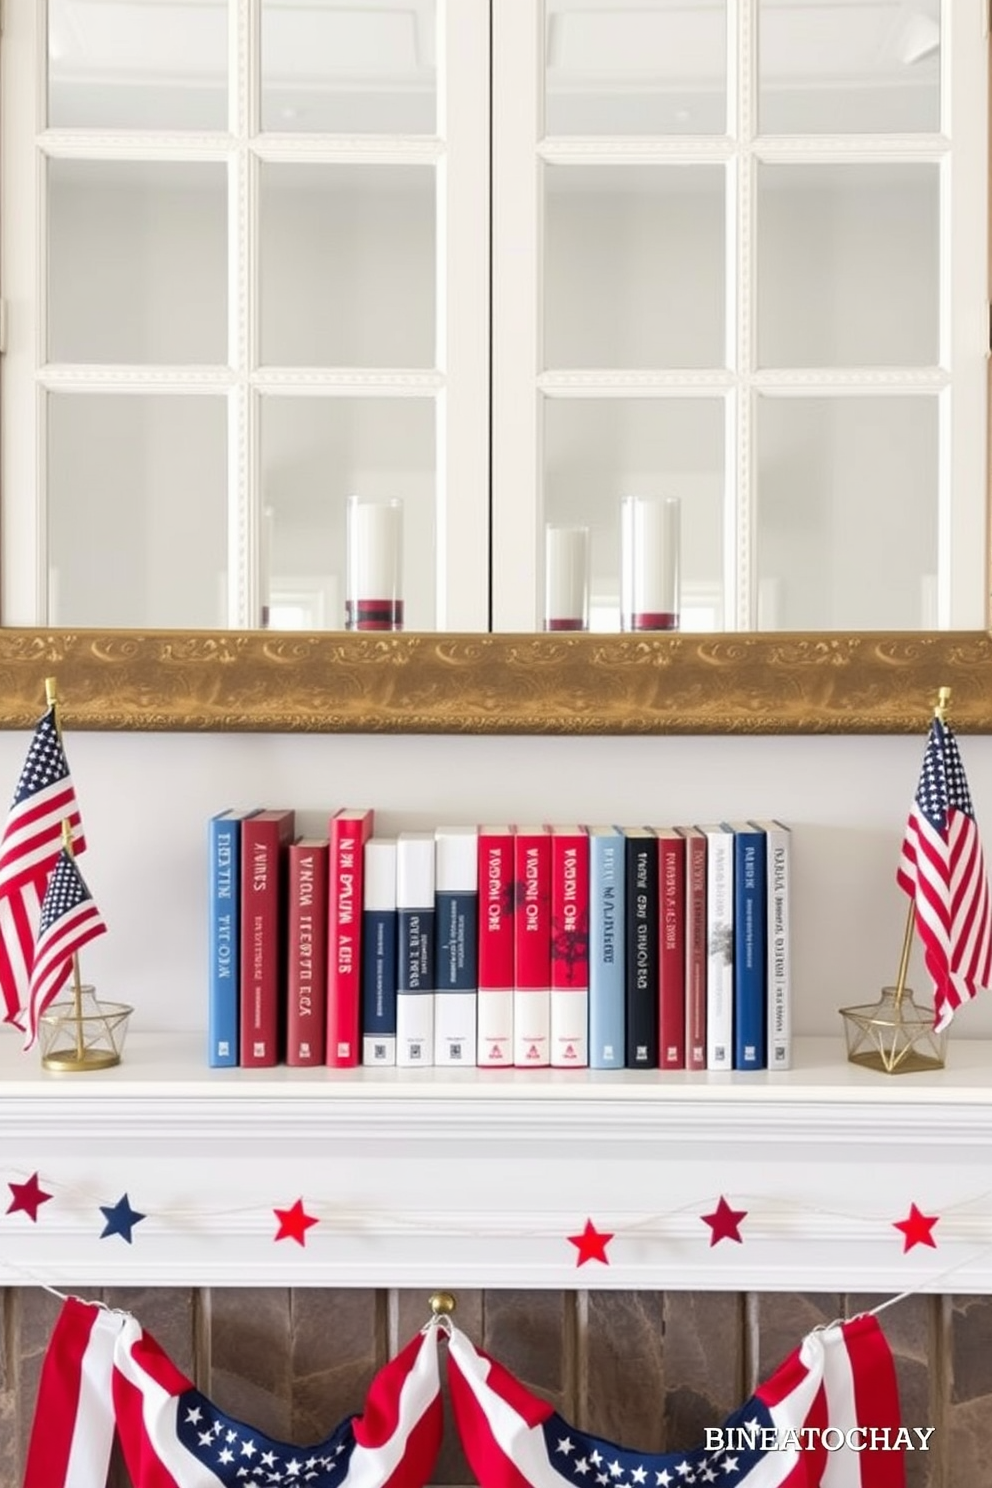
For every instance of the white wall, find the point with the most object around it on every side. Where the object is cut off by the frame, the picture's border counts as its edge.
(145, 800)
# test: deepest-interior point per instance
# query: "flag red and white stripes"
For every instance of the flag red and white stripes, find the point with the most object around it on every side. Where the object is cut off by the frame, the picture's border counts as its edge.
(103, 1373)
(69, 920)
(841, 1377)
(29, 847)
(942, 869)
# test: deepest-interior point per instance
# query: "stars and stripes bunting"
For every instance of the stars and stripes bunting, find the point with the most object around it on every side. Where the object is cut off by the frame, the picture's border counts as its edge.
(103, 1373)
(841, 1377)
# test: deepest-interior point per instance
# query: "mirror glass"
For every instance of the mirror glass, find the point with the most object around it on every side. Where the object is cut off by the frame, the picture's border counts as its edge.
(157, 65)
(359, 68)
(636, 69)
(852, 67)
(869, 239)
(736, 254)
(647, 447)
(346, 265)
(128, 280)
(635, 265)
(315, 453)
(170, 542)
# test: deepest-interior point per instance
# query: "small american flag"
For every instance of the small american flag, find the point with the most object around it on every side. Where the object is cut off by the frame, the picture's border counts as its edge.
(942, 869)
(103, 1374)
(30, 845)
(69, 918)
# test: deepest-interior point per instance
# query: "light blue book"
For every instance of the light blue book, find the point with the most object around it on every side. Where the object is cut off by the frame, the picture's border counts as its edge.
(607, 1023)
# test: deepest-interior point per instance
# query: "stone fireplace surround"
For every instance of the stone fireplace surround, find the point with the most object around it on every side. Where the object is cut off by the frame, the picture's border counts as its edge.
(473, 1183)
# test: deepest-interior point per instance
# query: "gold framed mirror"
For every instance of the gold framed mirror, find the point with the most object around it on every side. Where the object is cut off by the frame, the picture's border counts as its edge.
(879, 683)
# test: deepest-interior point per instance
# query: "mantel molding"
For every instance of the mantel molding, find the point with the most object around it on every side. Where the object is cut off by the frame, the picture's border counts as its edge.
(435, 683)
(429, 1178)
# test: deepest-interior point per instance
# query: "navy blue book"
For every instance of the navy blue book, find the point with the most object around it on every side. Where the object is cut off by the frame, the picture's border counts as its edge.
(641, 947)
(223, 921)
(750, 942)
(379, 952)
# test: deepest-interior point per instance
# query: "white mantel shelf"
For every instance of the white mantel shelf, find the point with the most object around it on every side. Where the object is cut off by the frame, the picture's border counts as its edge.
(445, 1179)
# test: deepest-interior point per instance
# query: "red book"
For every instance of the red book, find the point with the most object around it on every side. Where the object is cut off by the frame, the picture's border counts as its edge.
(695, 947)
(532, 947)
(350, 829)
(569, 947)
(494, 1032)
(671, 948)
(306, 951)
(265, 838)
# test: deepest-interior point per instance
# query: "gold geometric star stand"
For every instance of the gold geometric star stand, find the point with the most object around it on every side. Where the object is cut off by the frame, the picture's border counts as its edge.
(895, 1035)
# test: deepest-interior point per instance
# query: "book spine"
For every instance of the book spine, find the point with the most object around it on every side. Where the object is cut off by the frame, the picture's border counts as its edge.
(263, 915)
(456, 977)
(415, 938)
(779, 842)
(379, 953)
(606, 950)
(719, 949)
(671, 951)
(494, 1009)
(695, 951)
(532, 950)
(642, 952)
(306, 953)
(569, 950)
(224, 904)
(750, 955)
(348, 835)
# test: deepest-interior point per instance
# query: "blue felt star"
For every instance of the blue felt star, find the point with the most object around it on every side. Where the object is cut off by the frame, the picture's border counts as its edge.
(121, 1219)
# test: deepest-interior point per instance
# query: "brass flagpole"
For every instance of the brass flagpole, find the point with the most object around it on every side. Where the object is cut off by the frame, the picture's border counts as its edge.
(77, 984)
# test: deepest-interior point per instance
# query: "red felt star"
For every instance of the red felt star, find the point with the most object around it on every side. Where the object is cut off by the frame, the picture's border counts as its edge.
(28, 1197)
(916, 1229)
(591, 1244)
(294, 1223)
(724, 1222)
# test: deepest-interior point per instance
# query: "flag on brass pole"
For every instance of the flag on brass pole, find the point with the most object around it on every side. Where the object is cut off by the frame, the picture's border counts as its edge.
(29, 848)
(942, 869)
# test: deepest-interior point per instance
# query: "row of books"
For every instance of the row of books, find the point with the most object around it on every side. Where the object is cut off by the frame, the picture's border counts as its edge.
(498, 946)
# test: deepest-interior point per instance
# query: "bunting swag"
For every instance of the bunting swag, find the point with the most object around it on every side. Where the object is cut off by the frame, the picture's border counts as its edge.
(103, 1372)
(822, 1419)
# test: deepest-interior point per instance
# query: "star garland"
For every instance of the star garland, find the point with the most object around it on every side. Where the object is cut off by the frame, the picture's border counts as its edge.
(591, 1243)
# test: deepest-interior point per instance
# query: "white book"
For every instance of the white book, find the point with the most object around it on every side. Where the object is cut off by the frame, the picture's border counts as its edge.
(778, 860)
(719, 947)
(379, 952)
(415, 942)
(456, 921)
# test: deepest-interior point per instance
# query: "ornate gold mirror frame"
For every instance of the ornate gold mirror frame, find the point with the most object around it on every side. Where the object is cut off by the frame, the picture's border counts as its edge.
(870, 683)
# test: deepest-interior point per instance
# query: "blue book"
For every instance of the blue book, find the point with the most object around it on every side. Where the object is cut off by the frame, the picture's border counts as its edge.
(223, 922)
(750, 940)
(415, 942)
(379, 952)
(607, 1023)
